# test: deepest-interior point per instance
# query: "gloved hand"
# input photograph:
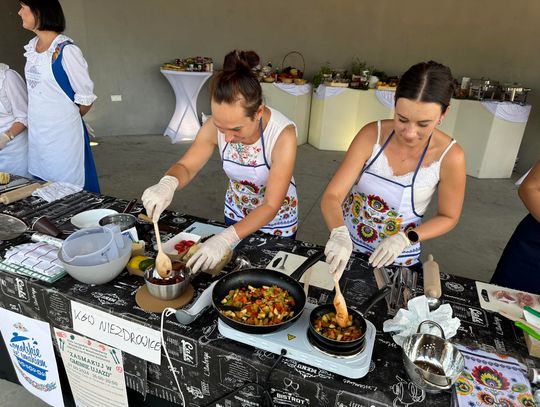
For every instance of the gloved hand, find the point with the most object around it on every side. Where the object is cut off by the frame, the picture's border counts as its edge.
(389, 249)
(4, 139)
(157, 197)
(213, 250)
(338, 250)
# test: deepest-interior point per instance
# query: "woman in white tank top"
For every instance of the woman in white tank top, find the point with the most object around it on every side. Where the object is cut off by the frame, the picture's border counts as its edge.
(375, 202)
(258, 150)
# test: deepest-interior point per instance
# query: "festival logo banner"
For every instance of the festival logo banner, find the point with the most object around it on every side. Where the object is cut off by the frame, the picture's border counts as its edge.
(30, 347)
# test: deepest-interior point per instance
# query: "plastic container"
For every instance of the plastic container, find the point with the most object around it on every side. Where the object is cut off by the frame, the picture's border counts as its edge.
(101, 273)
(93, 246)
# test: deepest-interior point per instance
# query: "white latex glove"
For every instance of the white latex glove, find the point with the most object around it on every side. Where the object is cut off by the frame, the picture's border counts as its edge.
(4, 139)
(338, 250)
(389, 249)
(213, 250)
(158, 197)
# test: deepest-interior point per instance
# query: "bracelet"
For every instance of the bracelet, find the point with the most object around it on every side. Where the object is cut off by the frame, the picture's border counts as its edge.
(9, 136)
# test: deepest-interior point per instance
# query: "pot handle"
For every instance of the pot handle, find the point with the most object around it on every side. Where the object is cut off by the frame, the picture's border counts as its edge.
(310, 261)
(427, 321)
(201, 304)
(375, 298)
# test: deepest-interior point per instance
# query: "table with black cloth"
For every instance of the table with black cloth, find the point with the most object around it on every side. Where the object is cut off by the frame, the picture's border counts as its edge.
(210, 366)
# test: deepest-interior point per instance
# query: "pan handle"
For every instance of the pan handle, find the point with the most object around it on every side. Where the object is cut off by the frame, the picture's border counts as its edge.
(375, 298)
(310, 261)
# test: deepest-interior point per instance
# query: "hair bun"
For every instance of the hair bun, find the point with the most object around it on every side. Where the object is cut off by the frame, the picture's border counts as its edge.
(240, 61)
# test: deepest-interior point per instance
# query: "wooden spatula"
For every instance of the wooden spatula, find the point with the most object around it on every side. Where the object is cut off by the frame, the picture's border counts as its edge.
(163, 262)
(342, 315)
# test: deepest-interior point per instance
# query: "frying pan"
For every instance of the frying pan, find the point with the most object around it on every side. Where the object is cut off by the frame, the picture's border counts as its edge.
(11, 227)
(358, 320)
(257, 278)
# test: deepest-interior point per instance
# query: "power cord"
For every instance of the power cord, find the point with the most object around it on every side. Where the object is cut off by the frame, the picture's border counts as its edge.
(167, 312)
(264, 386)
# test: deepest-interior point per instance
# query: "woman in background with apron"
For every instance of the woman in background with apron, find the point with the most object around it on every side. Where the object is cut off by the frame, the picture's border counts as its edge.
(375, 202)
(60, 92)
(258, 151)
(13, 135)
(519, 265)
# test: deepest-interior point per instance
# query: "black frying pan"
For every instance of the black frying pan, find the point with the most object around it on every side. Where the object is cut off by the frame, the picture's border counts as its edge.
(358, 320)
(258, 278)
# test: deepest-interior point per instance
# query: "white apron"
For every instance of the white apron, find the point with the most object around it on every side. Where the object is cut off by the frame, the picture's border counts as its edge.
(55, 128)
(13, 157)
(247, 187)
(378, 207)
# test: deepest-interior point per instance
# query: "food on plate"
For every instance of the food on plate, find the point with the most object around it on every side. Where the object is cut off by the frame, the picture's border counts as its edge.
(328, 327)
(4, 178)
(525, 299)
(267, 305)
(505, 296)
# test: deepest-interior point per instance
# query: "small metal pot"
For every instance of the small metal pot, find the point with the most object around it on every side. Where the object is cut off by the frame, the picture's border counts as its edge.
(124, 220)
(432, 363)
(171, 287)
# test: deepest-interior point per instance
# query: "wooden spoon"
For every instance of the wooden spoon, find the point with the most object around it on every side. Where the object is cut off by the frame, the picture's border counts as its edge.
(163, 262)
(342, 315)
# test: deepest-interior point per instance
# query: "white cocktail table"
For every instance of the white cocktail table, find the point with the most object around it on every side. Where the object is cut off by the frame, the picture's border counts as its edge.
(185, 124)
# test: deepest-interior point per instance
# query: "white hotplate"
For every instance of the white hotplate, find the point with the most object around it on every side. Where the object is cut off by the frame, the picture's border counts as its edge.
(294, 340)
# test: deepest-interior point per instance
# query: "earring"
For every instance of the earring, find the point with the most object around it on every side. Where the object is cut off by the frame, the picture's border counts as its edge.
(440, 121)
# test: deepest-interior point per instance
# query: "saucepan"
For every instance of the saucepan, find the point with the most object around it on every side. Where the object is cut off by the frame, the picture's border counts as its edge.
(432, 363)
(357, 318)
(256, 278)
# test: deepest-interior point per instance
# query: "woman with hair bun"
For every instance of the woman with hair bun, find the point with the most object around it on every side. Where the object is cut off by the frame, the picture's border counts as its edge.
(375, 202)
(257, 145)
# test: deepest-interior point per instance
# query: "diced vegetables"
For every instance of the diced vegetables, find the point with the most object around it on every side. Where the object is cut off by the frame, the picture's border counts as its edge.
(268, 305)
(328, 327)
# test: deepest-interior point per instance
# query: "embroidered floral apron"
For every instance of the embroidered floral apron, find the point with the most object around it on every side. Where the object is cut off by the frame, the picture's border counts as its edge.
(248, 169)
(378, 207)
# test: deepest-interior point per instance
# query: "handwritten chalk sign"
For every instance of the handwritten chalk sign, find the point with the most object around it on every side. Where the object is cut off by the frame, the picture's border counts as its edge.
(127, 336)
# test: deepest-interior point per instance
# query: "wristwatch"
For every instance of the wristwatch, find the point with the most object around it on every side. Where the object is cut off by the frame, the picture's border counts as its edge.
(413, 236)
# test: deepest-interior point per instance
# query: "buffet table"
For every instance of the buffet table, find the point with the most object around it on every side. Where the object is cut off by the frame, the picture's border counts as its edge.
(185, 123)
(210, 366)
(489, 132)
(294, 101)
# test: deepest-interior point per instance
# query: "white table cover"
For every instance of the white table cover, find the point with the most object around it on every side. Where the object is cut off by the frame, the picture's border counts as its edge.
(508, 111)
(291, 88)
(185, 124)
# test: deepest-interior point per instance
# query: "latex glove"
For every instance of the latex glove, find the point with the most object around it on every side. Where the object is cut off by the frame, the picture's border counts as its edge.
(158, 197)
(389, 249)
(338, 250)
(4, 139)
(213, 250)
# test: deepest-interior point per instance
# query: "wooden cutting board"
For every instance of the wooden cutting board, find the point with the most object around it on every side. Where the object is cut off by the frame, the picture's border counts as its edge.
(493, 304)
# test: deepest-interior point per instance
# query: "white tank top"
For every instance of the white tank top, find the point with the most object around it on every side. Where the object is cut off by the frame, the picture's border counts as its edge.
(427, 178)
(278, 121)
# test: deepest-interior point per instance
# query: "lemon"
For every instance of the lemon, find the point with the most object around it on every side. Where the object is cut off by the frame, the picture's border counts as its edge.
(135, 261)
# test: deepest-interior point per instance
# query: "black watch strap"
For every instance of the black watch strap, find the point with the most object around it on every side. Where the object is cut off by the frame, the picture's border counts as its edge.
(413, 236)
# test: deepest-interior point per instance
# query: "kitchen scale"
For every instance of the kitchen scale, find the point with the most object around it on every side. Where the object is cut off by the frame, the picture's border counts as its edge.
(294, 339)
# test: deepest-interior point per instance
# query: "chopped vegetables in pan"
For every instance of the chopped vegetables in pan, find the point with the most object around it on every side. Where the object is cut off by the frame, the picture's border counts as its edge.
(328, 327)
(268, 305)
